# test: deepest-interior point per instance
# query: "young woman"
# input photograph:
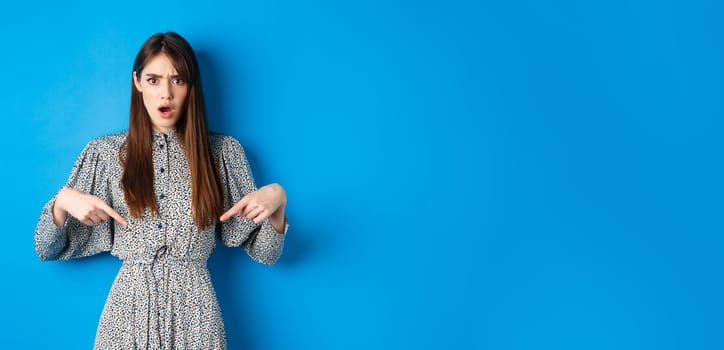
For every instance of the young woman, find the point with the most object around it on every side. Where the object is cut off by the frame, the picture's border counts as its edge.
(155, 196)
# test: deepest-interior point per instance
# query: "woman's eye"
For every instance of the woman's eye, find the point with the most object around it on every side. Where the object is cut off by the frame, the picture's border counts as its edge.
(152, 81)
(179, 81)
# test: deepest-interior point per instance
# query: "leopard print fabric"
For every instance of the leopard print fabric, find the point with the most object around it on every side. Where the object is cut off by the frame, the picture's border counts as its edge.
(162, 297)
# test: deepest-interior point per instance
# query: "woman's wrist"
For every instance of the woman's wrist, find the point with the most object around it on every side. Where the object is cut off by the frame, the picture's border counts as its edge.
(278, 218)
(58, 210)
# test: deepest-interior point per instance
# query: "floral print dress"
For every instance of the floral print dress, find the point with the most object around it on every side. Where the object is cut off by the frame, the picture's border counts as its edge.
(162, 297)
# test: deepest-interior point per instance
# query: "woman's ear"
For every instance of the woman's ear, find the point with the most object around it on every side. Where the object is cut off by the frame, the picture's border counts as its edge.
(136, 81)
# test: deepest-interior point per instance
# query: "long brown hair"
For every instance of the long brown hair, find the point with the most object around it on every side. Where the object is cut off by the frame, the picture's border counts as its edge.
(137, 180)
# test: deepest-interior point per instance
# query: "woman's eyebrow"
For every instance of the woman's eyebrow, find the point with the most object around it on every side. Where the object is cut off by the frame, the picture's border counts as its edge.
(154, 75)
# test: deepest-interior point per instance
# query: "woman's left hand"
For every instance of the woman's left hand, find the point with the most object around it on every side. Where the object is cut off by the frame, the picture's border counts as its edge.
(260, 204)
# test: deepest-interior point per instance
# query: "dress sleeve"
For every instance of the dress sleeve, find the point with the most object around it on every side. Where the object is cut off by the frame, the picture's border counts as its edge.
(75, 239)
(262, 242)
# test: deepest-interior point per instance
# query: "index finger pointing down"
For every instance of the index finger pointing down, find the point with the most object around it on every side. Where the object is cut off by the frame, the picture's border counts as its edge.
(112, 213)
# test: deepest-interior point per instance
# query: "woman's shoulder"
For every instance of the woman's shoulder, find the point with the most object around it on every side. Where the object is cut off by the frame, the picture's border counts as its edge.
(108, 143)
(220, 142)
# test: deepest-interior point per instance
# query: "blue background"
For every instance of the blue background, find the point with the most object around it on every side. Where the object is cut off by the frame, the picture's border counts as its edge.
(460, 174)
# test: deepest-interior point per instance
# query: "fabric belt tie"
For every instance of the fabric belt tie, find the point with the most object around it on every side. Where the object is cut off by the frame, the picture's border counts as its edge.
(153, 297)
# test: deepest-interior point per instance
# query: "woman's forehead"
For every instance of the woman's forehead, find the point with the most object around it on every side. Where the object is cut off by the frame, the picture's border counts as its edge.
(160, 64)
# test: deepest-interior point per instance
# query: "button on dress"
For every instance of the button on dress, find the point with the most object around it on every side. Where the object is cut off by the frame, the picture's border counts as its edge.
(162, 297)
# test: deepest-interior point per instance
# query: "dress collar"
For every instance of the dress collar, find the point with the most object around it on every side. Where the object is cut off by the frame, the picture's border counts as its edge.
(171, 134)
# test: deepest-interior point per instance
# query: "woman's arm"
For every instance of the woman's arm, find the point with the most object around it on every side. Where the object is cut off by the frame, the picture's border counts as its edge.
(87, 230)
(88, 209)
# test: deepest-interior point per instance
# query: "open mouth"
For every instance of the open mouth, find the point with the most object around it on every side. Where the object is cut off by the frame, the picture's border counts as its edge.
(165, 111)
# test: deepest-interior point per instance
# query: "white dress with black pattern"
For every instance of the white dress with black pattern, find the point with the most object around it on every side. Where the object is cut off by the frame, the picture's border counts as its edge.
(162, 297)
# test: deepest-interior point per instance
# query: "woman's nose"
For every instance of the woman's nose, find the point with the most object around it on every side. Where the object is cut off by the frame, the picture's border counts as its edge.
(167, 92)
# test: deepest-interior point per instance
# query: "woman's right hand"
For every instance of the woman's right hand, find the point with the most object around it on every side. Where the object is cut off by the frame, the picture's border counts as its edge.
(88, 209)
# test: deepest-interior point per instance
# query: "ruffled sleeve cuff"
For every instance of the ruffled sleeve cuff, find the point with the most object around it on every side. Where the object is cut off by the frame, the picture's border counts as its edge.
(266, 247)
(49, 238)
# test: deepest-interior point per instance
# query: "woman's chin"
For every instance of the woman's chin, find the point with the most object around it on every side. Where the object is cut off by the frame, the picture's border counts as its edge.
(163, 124)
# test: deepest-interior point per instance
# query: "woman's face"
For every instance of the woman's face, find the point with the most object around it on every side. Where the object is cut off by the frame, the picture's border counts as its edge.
(163, 91)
